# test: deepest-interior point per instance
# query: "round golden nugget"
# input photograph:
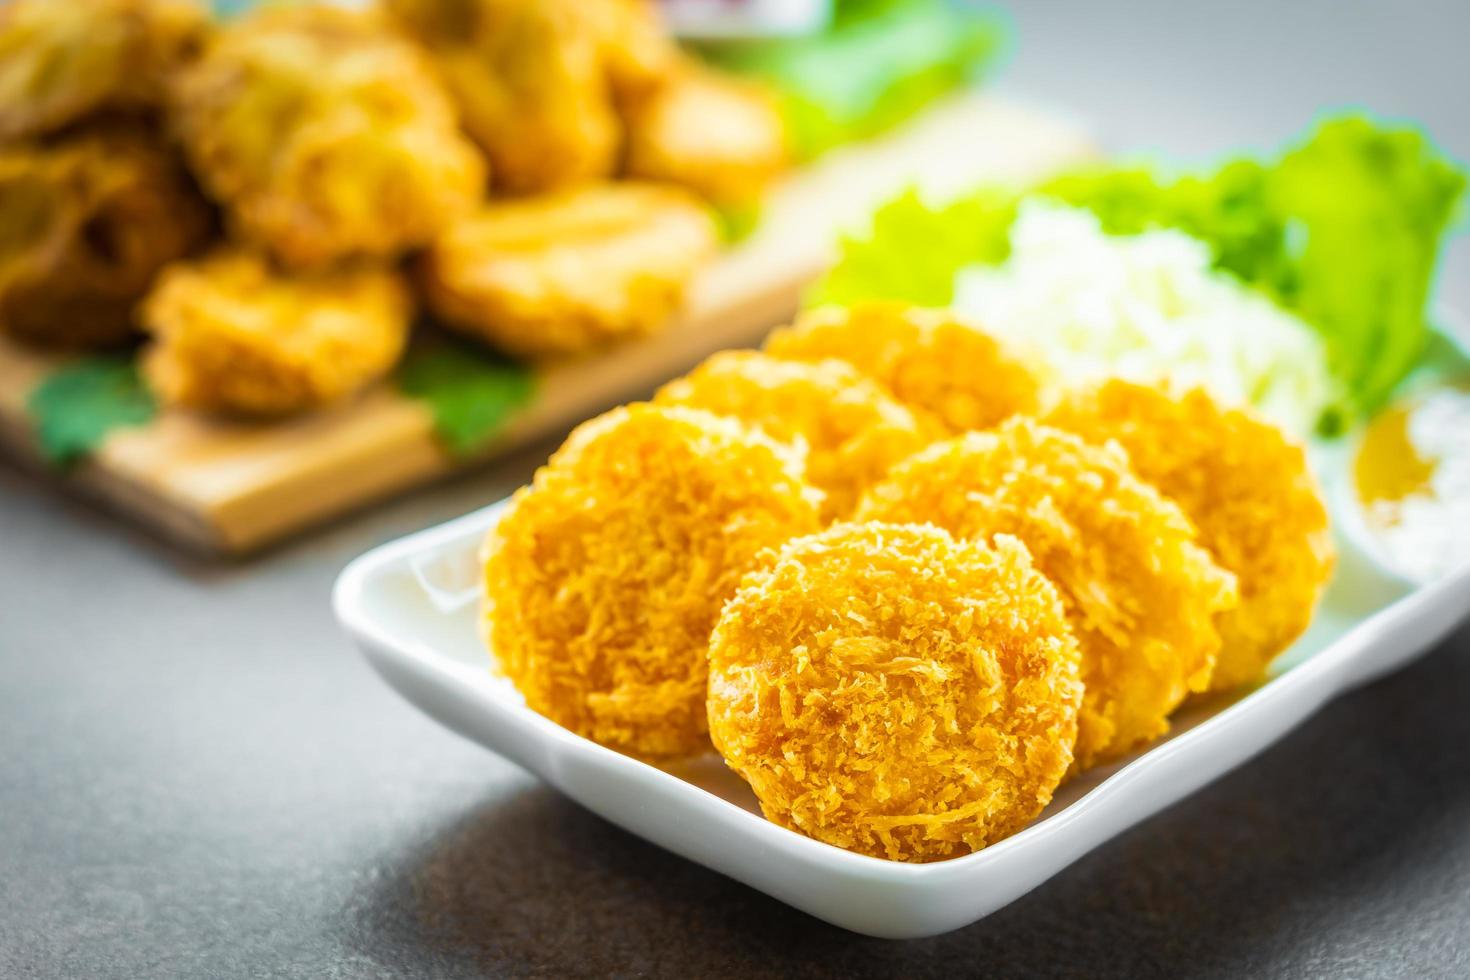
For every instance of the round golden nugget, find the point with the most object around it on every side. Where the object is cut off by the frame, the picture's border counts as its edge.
(86, 222)
(722, 137)
(233, 335)
(325, 136)
(1246, 486)
(963, 375)
(890, 690)
(61, 60)
(569, 272)
(854, 431)
(606, 575)
(1141, 595)
(530, 82)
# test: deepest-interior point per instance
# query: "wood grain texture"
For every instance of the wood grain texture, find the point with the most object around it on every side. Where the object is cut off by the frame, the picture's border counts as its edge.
(229, 487)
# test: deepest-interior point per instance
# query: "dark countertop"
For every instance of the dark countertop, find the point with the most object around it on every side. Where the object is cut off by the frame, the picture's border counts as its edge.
(198, 778)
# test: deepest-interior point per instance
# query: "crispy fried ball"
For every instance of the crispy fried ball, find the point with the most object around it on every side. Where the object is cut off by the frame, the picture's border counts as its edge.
(722, 137)
(890, 690)
(233, 335)
(929, 360)
(606, 575)
(530, 82)
(325, 136)
(854, 431)
(1247, 488)
(569, 272)
(61, 60)
(86, 222)
(1141, 595)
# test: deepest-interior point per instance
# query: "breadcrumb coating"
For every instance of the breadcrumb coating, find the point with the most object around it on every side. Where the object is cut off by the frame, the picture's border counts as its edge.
(529, 79)
(1141, 595)
(233, 335)
(86, 222)
(722, 137)
(61, 60)
(325, 135)
(928, 359)
(893, 691)
(569, 272)
(853, 430)
(606, 575)
(1248, 489)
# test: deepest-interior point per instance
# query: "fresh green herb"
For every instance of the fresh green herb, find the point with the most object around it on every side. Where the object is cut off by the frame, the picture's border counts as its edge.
(471, 391)
(1343, 230)
(78, 406)
(882, 62)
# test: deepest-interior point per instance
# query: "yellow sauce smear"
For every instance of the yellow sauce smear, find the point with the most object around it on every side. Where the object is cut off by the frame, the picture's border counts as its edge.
(1387, 466)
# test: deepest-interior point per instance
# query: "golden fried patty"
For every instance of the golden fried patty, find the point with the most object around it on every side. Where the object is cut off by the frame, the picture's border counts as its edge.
(1246, 486)
(928, 359)
(606, 575)
(853, 430)
(1141, 595)
(890, 690)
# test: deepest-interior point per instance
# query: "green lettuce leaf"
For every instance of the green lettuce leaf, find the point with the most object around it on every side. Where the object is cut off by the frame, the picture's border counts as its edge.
(471, 391)
(882, 62)
(79, 405)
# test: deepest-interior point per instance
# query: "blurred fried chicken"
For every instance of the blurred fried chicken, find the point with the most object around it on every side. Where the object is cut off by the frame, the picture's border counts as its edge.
(1141, 595)
(325, 135)
(854, 431)
(86, 222)
(606, 575)
(1248, 489)
(63, 59)
(929, 360)
(895, 692)
(722, 137)
(565, 273)
(529, 79)
(234, 335)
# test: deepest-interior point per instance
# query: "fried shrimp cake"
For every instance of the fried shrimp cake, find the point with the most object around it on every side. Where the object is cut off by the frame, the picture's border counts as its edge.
(606, 575)
(86, 222)
(721, 137)
(854, 431)
(233, 335)
(325, 136)
(927, 359)
(1246, 486)
(893, 691)
(568, 272)
(61, 60)
(1141, 595)
(530, 82)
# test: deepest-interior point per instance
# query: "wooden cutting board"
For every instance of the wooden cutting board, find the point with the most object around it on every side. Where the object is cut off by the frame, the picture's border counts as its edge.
(229, 487)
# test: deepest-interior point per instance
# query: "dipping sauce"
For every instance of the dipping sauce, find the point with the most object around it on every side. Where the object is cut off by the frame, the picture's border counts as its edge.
(1412, 475)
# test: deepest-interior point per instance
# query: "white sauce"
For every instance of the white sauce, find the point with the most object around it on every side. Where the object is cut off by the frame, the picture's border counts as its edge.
(1427, 534)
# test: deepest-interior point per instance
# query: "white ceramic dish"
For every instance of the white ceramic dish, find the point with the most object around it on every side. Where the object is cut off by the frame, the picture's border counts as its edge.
(411, 607)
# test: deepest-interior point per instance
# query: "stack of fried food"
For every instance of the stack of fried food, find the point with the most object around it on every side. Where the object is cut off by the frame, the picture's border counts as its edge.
(270, 198)
(901, 582)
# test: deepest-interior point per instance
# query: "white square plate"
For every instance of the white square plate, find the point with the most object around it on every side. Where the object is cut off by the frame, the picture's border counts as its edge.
(411, 606)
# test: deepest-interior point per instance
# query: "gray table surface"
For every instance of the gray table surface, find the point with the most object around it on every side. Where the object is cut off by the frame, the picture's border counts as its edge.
(199, 779)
